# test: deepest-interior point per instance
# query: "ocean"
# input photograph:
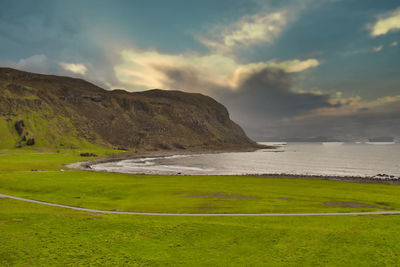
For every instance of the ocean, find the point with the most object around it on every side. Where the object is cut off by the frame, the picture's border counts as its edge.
(377, 160)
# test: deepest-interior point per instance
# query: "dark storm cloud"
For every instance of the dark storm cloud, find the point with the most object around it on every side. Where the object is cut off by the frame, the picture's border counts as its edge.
(270, 92)
(265, 99)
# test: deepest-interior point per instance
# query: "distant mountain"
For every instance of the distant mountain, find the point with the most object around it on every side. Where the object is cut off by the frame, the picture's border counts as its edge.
(382, 139)
(302, 139)
(53, 111)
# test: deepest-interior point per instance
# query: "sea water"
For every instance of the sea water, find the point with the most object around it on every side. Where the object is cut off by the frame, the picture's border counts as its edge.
(314, 159)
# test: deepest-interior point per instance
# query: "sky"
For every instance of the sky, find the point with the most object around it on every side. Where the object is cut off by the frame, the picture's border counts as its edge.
(283, 68)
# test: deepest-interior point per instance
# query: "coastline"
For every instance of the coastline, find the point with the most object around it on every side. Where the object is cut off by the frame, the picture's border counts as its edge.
(86, 165)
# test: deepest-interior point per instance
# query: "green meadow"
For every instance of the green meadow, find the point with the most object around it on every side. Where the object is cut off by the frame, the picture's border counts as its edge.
(32, 234)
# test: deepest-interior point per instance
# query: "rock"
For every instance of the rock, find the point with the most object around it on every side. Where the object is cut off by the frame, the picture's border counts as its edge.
(30, 142)
(164, 146)
(179, 146)
(87, 154)
(19, 126)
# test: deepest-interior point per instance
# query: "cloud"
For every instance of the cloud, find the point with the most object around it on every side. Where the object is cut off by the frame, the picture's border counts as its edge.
(264, 27)
(364, 51)
(386, 23)
(77, 68)
(378, 48)
(294, 65)
(269, 94)
(33, 62)
(146, 70)
(36, 63)
(255, 29)
(151, 69)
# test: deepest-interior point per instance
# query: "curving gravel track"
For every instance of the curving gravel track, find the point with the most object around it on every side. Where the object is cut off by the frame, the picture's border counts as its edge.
(395, 212)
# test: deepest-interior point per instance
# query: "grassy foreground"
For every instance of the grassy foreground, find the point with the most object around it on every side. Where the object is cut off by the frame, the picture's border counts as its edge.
(32, 234)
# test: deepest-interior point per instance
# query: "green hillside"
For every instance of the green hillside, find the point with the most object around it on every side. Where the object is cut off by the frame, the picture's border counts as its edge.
(61, 112)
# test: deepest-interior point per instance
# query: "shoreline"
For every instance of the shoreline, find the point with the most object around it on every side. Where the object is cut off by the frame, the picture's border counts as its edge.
(86, 165)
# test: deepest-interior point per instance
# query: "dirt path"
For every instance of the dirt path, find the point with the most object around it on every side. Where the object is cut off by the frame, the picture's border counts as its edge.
(202, 214)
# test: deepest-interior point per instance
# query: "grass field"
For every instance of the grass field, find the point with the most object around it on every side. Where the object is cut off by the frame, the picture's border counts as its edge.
(33, 234)
(198, 194)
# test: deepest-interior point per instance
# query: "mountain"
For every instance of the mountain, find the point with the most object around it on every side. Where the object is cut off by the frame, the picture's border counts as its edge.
(53, 111)
(318, 139)
(381, 139)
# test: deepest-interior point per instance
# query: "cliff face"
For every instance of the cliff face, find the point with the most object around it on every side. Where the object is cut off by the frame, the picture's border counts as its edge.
(54, 111)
